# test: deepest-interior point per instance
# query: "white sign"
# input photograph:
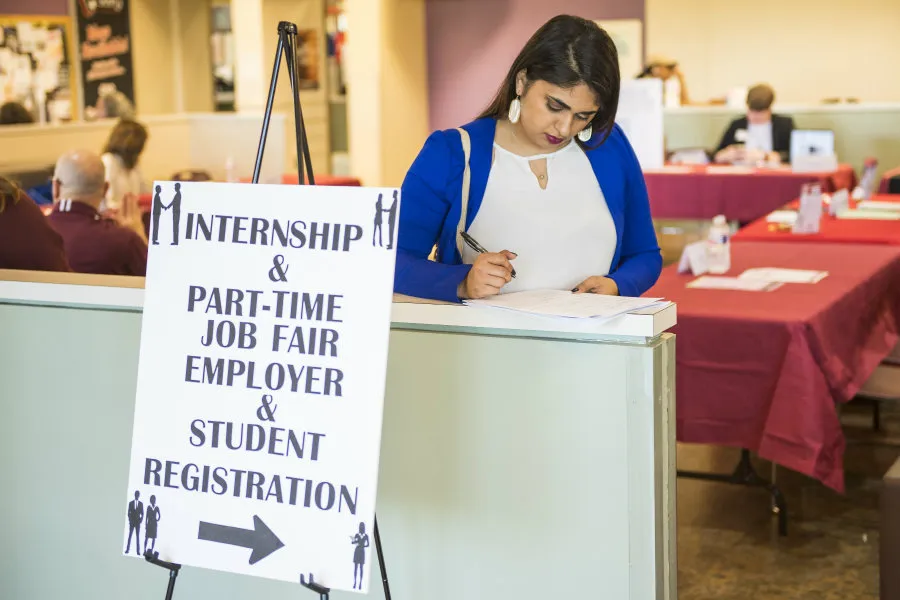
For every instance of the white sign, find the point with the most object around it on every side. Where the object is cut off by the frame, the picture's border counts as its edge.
(640, 115)
(628, 36)
(694, 258)
(263, 358)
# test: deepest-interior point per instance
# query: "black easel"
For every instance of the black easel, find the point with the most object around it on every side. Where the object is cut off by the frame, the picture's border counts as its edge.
(153, 558)
(287, 45)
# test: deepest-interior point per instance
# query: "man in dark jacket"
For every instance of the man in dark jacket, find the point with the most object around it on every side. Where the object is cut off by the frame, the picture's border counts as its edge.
(760, 134)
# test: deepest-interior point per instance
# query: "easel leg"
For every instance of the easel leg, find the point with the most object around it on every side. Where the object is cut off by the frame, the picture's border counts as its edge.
(381, 565)
(153, 558)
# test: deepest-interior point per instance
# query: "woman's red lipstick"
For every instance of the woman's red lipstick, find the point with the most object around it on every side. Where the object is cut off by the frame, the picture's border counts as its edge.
(553, 140)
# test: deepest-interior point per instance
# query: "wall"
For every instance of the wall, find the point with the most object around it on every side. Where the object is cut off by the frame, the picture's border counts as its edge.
(471, 44)
(152, 54)
(193, 25)
(806, 49)
(307, 14)
(387, 89)
(404, 106)
(34, 7)
(176, 142)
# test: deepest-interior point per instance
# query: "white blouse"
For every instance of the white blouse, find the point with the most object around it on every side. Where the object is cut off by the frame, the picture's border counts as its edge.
(562, 234)
(121, 181)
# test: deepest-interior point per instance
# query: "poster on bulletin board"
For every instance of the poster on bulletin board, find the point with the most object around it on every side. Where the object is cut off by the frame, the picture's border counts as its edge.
(107, 76)
(35, 67)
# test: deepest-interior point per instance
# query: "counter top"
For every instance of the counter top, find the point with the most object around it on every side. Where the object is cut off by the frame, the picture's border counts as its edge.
(104, 292)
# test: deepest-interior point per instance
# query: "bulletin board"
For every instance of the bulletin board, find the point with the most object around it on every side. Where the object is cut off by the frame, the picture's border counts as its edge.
(36, 66)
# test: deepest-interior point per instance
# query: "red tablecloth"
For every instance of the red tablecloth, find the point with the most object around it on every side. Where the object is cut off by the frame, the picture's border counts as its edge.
(763, 370)
(696, 193)
(830, 230)
(886, 180)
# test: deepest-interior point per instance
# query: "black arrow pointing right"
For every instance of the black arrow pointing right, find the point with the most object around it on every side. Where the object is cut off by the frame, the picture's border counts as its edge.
(260, 539)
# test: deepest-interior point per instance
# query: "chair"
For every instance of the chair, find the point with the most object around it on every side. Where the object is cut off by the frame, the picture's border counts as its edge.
(191, 175)
(890, 182)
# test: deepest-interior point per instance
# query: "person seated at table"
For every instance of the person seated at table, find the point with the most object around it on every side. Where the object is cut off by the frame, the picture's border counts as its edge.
(674, 87)
(555, 185)
(120, 157)
(27, 241)
(95, 244)
(758, 136)
(15, 113)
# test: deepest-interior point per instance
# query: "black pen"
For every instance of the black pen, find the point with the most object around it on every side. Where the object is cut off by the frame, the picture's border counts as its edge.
(470, 241)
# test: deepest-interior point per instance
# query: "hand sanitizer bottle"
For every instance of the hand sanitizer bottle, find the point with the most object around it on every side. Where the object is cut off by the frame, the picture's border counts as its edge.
(719, 246)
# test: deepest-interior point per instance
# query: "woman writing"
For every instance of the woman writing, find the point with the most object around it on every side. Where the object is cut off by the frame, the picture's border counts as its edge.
(120, 157)
(551, 180)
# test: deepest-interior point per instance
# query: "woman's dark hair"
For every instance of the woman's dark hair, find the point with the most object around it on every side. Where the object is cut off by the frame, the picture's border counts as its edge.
(14, 113)
(567, 51)
(127, 141)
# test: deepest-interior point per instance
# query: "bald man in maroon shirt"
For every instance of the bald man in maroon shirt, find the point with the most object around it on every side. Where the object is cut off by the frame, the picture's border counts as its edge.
(94, 244)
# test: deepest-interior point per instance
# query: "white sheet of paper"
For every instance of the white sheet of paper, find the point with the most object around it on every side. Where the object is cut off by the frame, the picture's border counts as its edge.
(879, 205)
(788, 217)
(712, 282)
(694, 258)
(870, 215)
(729, 170)
(776, 275)
(672, 169)
(563, 303)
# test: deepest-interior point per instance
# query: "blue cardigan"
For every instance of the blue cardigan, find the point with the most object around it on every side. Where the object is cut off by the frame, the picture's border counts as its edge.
(432, 200)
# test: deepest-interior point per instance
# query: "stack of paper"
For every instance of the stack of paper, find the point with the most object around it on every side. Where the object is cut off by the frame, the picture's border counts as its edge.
(558, 303)
(709, 282)
(775, 275)
(870, 215)
(879, 205)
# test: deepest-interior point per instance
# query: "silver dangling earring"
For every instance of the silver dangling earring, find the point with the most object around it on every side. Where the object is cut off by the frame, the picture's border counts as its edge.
(585, 134)
(515, 110)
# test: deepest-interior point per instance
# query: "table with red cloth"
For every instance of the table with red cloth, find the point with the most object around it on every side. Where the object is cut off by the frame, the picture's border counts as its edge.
(764, 370)
(831, 229)
(744, 195)
(885, 186)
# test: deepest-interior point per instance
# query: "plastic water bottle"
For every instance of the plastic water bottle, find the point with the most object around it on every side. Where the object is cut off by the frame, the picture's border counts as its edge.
(719, 246)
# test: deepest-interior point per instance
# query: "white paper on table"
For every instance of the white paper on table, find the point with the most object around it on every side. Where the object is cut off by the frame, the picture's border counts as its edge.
(869, 215)
(671, 169)
(879, 205)
(788, 217)
(694, 258)
(729, 170)
(563, 303)
(776, 275)
(711, 282)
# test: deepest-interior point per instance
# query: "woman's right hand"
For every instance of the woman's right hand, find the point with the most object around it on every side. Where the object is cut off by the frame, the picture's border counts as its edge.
(489, 273)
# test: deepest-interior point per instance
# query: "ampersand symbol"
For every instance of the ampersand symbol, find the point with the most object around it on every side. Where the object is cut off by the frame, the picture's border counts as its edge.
(266, 412)
(279, 271)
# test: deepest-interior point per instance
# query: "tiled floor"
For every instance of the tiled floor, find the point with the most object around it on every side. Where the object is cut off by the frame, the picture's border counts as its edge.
(728, 547)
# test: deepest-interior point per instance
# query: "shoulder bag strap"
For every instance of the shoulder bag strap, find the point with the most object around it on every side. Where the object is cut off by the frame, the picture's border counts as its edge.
(464, 204)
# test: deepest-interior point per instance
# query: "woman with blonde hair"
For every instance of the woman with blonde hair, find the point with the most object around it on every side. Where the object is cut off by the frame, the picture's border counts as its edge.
(120, 157)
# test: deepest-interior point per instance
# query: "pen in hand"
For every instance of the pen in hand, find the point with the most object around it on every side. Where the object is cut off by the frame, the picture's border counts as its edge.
(474, 245)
